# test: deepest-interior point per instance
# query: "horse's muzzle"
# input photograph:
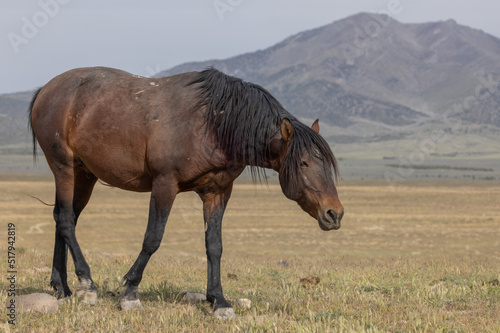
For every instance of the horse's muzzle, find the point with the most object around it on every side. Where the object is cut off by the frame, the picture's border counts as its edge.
(330, 220)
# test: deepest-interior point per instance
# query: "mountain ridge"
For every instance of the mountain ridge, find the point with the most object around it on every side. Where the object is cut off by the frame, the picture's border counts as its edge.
(395, 73)
(367, 77)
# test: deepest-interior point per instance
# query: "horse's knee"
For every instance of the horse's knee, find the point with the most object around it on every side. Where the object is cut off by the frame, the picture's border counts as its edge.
(151, 243)
(150, 247)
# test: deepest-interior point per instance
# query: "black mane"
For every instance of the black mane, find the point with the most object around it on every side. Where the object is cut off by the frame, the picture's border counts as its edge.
(244, 117)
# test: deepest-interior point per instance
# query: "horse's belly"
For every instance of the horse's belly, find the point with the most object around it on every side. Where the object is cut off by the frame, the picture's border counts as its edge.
(125, 178)
(116, 165)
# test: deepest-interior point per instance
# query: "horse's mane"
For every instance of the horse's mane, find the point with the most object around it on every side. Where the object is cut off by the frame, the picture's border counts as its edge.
(244, 117)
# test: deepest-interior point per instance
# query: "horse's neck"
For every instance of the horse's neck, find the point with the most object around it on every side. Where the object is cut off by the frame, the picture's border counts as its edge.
(264, 152)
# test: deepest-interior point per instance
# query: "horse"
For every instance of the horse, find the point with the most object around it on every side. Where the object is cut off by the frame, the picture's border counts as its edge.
(193, 131)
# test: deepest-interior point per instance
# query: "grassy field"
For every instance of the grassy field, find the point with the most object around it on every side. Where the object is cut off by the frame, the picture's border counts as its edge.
(417, 257)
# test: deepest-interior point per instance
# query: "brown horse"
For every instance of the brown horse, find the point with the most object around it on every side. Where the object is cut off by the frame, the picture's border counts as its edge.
(189, 132)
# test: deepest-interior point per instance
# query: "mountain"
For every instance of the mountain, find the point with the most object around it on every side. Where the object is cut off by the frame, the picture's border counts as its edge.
(369, 76)
(13, 118)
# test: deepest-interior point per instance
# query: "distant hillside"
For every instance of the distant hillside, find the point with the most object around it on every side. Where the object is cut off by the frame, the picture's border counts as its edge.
(13, 117)
(369, 78)
(369, 75)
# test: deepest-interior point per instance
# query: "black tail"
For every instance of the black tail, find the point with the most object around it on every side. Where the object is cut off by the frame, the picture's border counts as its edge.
(30, 125)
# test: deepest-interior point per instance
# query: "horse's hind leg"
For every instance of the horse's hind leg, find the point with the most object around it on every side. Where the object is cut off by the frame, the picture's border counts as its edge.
(59, 278)
(84, 184)
(73, 190)
(162, 199)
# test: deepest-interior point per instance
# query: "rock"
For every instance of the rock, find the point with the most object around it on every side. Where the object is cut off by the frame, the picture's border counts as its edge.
(194, 297)
(224, 313)
(244, 303)
(37, 302)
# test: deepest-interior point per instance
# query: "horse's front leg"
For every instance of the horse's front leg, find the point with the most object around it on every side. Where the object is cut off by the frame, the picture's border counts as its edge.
(214, 205)
(162, 199)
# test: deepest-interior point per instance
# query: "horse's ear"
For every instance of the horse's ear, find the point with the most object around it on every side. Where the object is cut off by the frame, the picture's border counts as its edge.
(286, 130)
(315, 126)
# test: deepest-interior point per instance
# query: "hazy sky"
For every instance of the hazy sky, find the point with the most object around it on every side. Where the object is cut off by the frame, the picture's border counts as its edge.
(40, 39)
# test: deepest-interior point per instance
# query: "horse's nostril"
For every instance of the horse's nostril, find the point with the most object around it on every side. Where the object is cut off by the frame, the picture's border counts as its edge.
(333, 216)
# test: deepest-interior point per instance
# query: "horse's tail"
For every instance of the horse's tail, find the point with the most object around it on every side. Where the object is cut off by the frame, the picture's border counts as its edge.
(30, 124)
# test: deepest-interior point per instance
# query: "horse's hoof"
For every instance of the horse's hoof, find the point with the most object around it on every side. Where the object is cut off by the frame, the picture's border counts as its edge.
(87, 292)
(224, 313)
(87, 296)
(130, 304)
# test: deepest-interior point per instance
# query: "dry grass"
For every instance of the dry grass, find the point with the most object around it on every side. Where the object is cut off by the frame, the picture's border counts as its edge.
(424, 257)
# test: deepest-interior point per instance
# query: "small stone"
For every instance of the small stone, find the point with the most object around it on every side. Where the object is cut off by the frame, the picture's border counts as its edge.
(194, 297)
(37, 302)
(244, 303)
(224, 313)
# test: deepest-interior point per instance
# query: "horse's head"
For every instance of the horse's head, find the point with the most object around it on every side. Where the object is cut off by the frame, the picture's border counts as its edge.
(306, 172)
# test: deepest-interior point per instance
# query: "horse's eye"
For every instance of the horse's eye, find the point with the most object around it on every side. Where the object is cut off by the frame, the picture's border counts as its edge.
(303, 164)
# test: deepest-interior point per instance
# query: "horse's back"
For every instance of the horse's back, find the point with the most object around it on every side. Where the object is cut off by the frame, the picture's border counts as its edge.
(106, 118)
